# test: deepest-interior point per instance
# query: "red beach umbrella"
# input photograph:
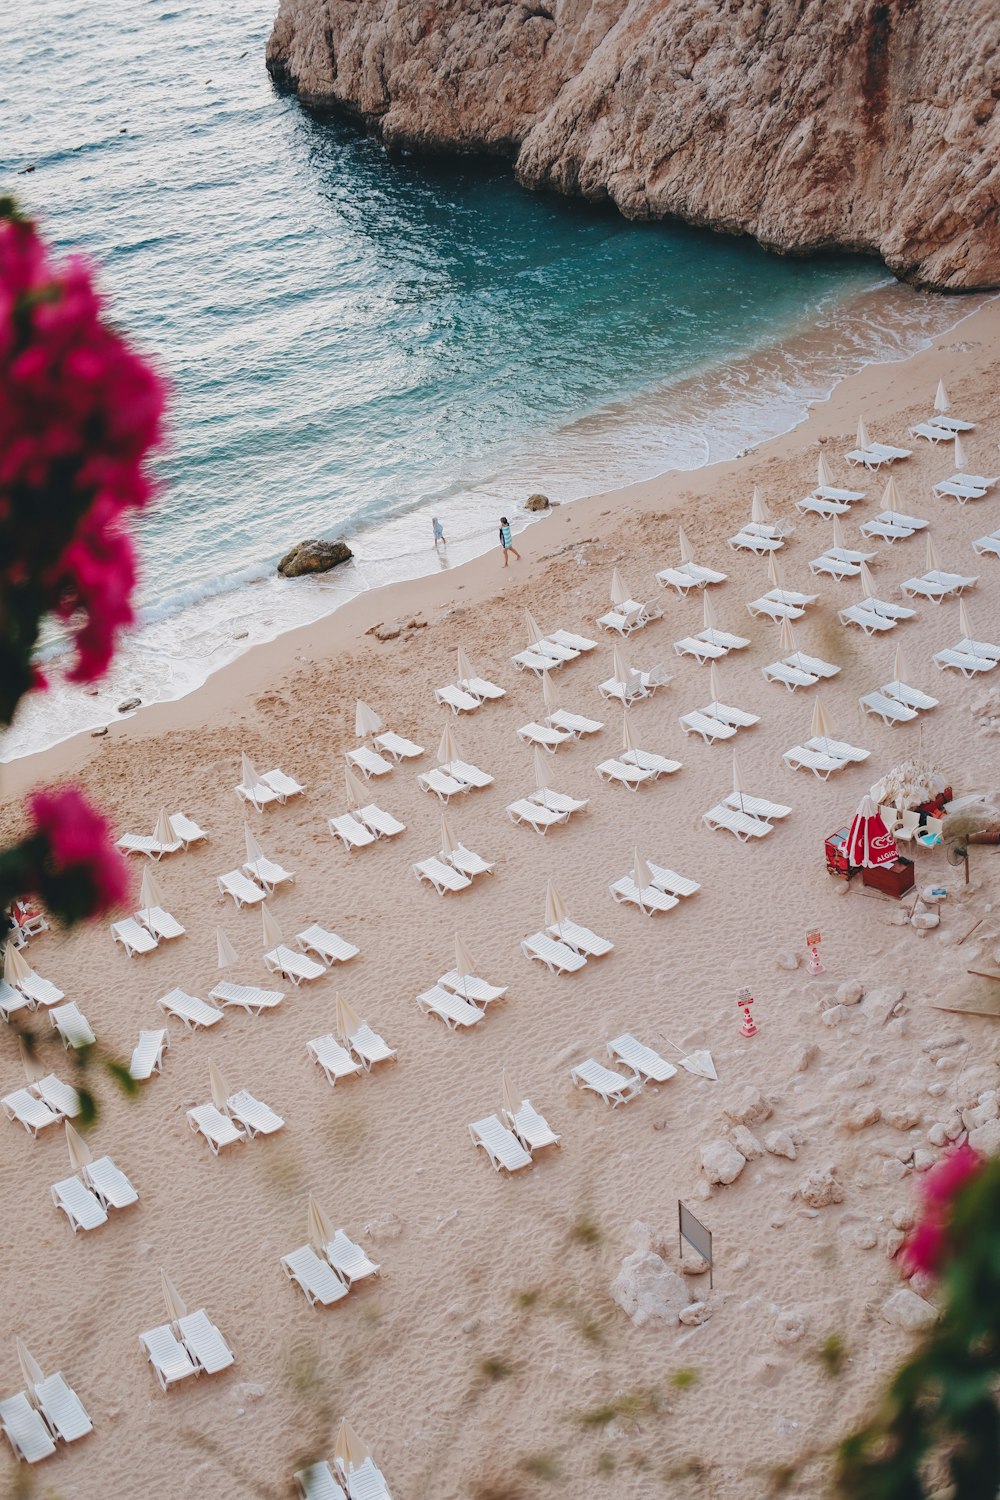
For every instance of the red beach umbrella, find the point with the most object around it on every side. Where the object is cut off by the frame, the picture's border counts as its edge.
(869, 842)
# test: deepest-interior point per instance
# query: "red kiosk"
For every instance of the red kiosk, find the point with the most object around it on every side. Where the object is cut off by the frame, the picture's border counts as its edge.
(869, 847)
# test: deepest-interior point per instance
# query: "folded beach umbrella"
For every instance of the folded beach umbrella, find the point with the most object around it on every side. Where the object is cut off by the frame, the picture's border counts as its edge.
(348, 1020)
(869, 843)
(823, 480)
(225, 952)
(176, 1307)
(366, 720)
(541, 774)
(621, 671)
(509, 1095)
(449, 843)
(619, 593)
(164, 832)
(964, 622)
(838, 533)
(448, 748)
(758, 510)
(738, 788)
(150, 894)
(628, 740)
(463, 666)
(534, 633)
(321, 1230)
(34, 1068)
(960, 458)
(254, 851)
(899, 666)
(941, 402)
(465, 964)
(863, 440)
(270, 931)
(555, 908)
(350, 1449)
(549, 693)
(867, 583)
(250, 776)
(708, 619)
(890, 495)
(31, 1370)
(786, 637)
(773, 572)
(219, 1087)
(713, 683)
(80, 1154)
(641, 873)
(933, 562)
(820, 728)
(700, 1064)
(15, 966)
(356, 794)
(687, 551)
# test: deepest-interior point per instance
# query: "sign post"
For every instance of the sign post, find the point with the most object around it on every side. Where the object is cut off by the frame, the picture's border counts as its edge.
(745, 999)
(698, 1237)
(813, 940)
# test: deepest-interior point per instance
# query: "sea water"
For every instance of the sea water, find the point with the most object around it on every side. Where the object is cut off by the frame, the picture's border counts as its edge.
(355, 343)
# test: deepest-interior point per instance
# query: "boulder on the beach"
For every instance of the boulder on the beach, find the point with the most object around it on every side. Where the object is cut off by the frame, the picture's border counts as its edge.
(314, 556)
(537, 502)
(721, 1161)
(820, 1189)
(906, 1310)
(648, 1290)
(748, 1107)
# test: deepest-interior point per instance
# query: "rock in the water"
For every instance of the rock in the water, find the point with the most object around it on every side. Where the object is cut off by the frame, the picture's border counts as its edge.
(721, 1161)
(127, 705)
(314, 556)
(648, 1290)
(906, 1310)
(820, 1189)
(537, 502)
(747, 1107)
(780, 1143)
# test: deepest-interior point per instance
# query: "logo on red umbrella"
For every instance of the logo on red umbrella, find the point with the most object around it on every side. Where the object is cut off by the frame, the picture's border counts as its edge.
(869, 842)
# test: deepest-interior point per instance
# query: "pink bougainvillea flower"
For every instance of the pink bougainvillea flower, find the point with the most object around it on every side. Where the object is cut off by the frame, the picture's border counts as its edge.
(79, 869)
(928, 1246)
(924, 1250)
(950, 1175)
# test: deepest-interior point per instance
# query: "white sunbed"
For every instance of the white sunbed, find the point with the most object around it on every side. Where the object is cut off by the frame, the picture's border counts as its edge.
(463, 770)
(540, 818)
(160, 923)
(170, 1360)
(839, 749)
(189, 1009)
(187, 830)
(816, 505)
(255, 1117)
(558, 958)
(736, 718)
(642, 1060)
(140, 843)
(649, 898)
(837, 567)
(502, 1147)
(649, 760)
(555, 651)
(532, 1129)
(82, 1208)
(692, 645)
(757, 807)
(987, 649)
(383, 824)
(204, 1342)
(679, 580)
(544, 735)
(949, 489)
(613, 1088)
(977, 481)
(62, 1409)
(457, 699)
(244, 891)
(367, 1482)
(813, 664)
(268, 872)
(580, 938)
(964, 662)
(577, 724)
(742, 824)
(936, 585)
(369, 762)
(62, 1098)
(26, 1109)
(147, 1058)
(703, 575)
(441, 876)
(352, 833)
(725, 639)
(775, 609)
(749, 541)
(72, 1026)
(624, 618)
(441, 784)
(369, 1047)
(985, 545)
(889, 710)
(466, 862)
(912, 697)
(317, 1483)
(283, 785)
(950, 424)
(39, 991)
(801, 758)
(25, 1428)
(295, 967)
(334, 1059)
(133, 938)
(868, 620)
(348, 1259)
(710, 728)
(398, 746)
(330, 948)
(569, 638)
(533, 661)
(11, 1001)
(558, 802)
(109, 1183)
(218, 1129)
(246, 996)
(877, 454)
(792, 677)
(471, 987)
(449, 1008)
(260, 795)
(932, 432)
(626, 775)
(671, 882)
(481, 688)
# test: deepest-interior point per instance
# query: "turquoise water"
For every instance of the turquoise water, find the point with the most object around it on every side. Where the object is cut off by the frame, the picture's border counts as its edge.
(355, 342)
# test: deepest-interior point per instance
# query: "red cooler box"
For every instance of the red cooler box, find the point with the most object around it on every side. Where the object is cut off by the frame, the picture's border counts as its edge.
(895, 879)
(836, 854)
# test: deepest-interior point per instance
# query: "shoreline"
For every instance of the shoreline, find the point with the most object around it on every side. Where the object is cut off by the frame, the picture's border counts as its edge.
(436, 590)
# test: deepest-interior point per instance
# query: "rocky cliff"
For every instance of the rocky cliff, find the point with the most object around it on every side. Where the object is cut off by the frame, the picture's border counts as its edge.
(868, 125)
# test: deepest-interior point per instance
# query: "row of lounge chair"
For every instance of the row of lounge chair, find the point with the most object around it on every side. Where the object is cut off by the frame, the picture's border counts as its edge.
(86, 1198)
(327, 1277)
(36, 1419)
(364, 1482)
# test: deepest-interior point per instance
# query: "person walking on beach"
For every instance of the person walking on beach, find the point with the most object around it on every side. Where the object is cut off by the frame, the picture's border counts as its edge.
(505, 541)
(439, 537)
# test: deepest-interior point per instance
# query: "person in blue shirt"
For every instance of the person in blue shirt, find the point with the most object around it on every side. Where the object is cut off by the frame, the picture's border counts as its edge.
(439, 536)
(506, 542)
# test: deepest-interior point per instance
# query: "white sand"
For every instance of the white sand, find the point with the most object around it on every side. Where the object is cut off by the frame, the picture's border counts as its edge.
(407, 1359)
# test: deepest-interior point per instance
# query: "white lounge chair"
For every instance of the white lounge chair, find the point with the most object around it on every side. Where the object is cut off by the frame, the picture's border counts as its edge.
(876, 454)
(204, 1342)
(352, 833)
(28, 1110)
(581, 644)
(836, 566)
(283, 785)
(160, 923)
(62, 1409)
(349, 1260)
(82, 1208)
(317, 1483)
(911, 696)
(463, 770)
(467, 862)
(800, 758)
(293, 966)
(757, 807)
(742, 824)
(868, 620)
(555, 651)
(170, 1360)
(581, 938)
(987, 545)
(932, 432)
(964, 662)
(471, 987)
(255, 1117)
(613, 1088)
(369, 1047)
(736, 718)
(936, 585)
(441, 876)
(642, 1060)
(62, 1098)
(246, 997)
(330, 948)
(540, 818)
(140, 843)
(260, 795)
(457, 699)
(532, 1129)
(750, 541)
(398, 746)
(558, 802)
(133, 938)
(791, 677)
(630, 776)
(703, 575)
(988, 649)
(775, 609)
(268, 872)
(839, 749)
(25, 1429)
(649, 898)
(11, 1001)
(558, 958)
(366, 1482)
(639, 685)
(532, 660)
(692, 645)
(948, 489)
(671, 882)
(649, 760)
(501, 1145)
(624, 618)
(889, 710)
(218, 1129)
(369, 762)
(481, 688)
(950, 424)
(710, 728)
(449, 1008)
(187, 830)
(147, 1058)
(244, 891)
(816, 505)
(334, 1059)
(37, 990)
(383, 824)
(109, 1183)
(441, 784)
(72, 1026)
(189, 1009)
(544, 736)
(679, 580)
(577, 724)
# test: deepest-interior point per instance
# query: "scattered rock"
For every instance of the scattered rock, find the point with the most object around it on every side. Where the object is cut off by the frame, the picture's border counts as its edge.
(240, 635)
(127, 704)
(835, 1015)
(894, 1242)
(820, 1189)
(386, 632)
(386, 1227)
(786, 959)
(923, 1161)
(850, 992)
(642, 1236)
(695, 1314)
(95, 734)
(537, 502)
(313, 556)
(864, 1236)
(862, 1116)
(788, 1328)
(693, 1265)
(904, 1117)
(906, 1310)
(648, 1291)
(721, 1161)
(470, 1325)
(986, 1139)
(780, 1143)
(880, 1003)
(248, 1391)
(801, 1057)
(746, 1143)
(747, 1107)
(981, 1114)
(903, 1218)
(937, 1135)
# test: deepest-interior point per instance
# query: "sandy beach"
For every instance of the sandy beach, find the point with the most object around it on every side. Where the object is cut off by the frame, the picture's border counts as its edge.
(488, 1360)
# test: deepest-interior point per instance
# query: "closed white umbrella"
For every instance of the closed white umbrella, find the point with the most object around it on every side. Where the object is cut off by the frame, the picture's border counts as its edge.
(348, 1020)
(534, 631)
(867, 582)
(738, 788)
(960, 458)
(449, 843)
(964, 622)
(464, 666)
(15, 966)
(549, 693)
(933, 562)
(356, 794)
(708, 619)
(80, 1154)
(890, 495)
(176, 1308)
(786, 637)
(448, 747)
(366, 720)
(349, 1448)
(254, 851)
(838, 533)
(641, 873)
(164, 832)
(941, 402)
(823, 480)
(820, 728)
(899, 666)
(621, 670)
(150, 894)
(863, 440)
(628, 738)
(758, 510)
(687, 551)
(619, 593)
(219, 1087)
(31, 1370)
(34, 1068)
(509, 1096)
(270, 931)
(227, 955)
(774, 571)
(541, 773)
(250, 776)
(320, 1229)
(713, 684)
(555, 908)
(465, 964)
